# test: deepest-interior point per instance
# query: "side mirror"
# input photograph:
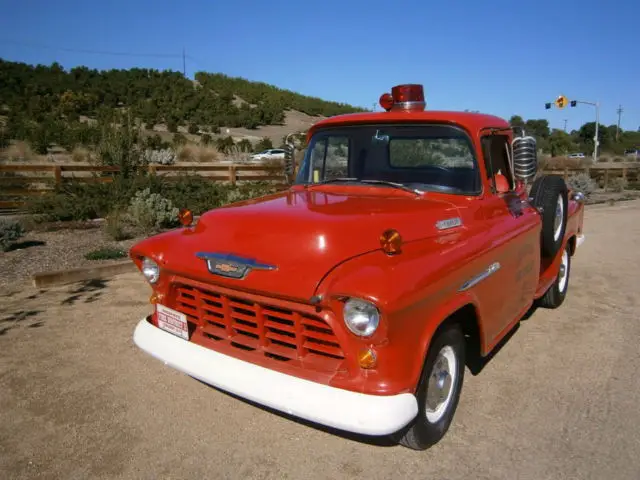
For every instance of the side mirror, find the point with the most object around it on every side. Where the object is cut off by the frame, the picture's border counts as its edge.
(524, 152)
(289, 162)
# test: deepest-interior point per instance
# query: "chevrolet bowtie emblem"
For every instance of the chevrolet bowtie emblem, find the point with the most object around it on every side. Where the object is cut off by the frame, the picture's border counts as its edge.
(228, 265)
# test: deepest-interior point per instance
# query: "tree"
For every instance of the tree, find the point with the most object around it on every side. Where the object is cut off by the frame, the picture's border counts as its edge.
(516, 121)
(560, 143)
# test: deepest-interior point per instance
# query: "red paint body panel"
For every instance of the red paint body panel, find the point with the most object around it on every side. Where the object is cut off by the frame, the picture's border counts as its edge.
(324, 242)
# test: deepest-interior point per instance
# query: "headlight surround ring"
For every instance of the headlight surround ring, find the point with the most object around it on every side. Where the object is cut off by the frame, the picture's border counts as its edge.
(361, 317)
(150, 270)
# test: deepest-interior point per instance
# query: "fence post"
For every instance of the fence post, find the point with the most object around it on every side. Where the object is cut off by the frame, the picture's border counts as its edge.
(57, 172)
(152, 170)
(232, 174)
(624, 173)
(606, 179)
(566, 174)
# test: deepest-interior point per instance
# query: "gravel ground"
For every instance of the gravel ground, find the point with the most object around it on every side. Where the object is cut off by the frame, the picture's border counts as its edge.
(45, 251)
(559, 401)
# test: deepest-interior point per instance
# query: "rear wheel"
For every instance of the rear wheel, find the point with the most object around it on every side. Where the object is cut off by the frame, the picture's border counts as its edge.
(438, 390)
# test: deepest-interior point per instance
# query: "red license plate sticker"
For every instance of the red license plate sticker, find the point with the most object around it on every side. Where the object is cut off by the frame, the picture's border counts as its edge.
(172, 321)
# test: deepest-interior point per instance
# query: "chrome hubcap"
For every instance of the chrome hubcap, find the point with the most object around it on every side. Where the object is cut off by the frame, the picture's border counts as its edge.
(440, 384)
(559, 217)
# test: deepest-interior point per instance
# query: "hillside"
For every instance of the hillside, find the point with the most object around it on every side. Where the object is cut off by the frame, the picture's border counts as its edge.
(49, 106)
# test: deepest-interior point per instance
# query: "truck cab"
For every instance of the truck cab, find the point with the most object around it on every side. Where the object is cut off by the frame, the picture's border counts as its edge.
(409, 243)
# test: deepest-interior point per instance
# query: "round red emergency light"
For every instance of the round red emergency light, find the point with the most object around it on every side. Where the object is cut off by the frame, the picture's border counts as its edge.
(404, 97)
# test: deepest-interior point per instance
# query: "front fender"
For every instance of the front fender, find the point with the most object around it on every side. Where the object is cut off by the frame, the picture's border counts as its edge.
(415, 291)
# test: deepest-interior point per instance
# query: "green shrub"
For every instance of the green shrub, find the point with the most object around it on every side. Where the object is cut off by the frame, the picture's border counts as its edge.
(264, 144)
(193, 128)
(172, 126)
(107, 253)
(179, 139)
(205, 139)
(618, 184)
(120, 147)
(10, 231)
(582, 182)
(151, 211)
(78, 201)
(245, 145)
(115, 226)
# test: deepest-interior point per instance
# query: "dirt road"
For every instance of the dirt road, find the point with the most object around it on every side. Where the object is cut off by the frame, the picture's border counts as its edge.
(560, 400)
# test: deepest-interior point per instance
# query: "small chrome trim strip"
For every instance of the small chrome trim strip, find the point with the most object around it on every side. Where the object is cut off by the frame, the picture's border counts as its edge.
(448, 223)
(493, 268)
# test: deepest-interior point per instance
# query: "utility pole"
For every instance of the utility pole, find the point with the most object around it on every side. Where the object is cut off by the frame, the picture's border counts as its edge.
(619, 112)
(565, 125)
(184, 63)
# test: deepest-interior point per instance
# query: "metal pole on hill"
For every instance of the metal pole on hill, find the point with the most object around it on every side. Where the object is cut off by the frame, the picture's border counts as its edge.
(184, 63)
(619, 112)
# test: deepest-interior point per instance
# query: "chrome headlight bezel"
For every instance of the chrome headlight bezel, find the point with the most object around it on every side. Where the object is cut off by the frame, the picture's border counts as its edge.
(150, 270)
(361, 317)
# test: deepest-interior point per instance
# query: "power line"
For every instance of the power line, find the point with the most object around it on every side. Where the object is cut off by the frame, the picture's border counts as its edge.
(92, 52)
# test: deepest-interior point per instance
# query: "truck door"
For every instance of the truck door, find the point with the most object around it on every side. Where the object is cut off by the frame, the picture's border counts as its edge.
(514, 237)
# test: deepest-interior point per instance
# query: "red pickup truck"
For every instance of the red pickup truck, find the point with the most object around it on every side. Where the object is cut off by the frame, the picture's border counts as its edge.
(408, 245)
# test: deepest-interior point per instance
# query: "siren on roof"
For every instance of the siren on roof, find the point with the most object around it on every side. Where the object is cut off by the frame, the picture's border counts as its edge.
(404, 97)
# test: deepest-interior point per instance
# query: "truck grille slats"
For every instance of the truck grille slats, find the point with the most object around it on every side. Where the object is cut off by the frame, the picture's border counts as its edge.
(276, 333)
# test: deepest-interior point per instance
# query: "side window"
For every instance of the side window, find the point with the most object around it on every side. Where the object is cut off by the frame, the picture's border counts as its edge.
(497, 156)
(330, 159)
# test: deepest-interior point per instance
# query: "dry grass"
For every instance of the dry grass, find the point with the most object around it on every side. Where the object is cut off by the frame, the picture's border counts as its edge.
(19, 151)
(195, 153)
(81, 155)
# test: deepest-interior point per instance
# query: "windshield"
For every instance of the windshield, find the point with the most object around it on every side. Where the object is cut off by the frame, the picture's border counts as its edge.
(423, 157)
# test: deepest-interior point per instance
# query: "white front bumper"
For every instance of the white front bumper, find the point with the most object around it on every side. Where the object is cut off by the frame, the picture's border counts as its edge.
(335, 407)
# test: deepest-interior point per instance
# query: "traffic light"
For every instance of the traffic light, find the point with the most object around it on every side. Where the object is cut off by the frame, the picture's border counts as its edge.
(574, 103)
(561, 101)
(547, 106)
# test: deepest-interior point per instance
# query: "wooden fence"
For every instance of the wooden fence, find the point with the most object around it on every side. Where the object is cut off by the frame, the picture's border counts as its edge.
(603, 173)
(18, 182)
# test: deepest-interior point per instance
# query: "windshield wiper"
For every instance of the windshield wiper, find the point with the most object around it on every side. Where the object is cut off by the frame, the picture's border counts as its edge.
(394, 184)
(378, 182)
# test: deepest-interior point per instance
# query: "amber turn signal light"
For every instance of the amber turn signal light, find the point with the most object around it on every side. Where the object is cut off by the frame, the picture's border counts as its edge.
(185, 216)
(391, 242)
(367, 359)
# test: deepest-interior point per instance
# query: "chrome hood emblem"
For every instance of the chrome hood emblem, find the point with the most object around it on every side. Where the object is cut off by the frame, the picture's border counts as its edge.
(232, 266)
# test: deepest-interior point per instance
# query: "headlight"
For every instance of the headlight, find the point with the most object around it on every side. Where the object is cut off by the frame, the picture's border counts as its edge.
(150, 270)
(361, 317)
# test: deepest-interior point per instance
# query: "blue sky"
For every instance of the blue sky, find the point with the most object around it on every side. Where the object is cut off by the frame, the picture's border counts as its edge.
(497, 57)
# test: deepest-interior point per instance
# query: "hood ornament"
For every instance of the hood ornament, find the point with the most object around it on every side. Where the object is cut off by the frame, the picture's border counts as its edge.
(232, 266)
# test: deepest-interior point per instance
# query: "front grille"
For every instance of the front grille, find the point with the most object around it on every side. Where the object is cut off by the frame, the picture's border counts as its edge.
(280, 334)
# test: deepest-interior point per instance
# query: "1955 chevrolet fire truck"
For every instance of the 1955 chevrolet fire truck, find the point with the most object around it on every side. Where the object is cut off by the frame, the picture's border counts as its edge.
(409, 243)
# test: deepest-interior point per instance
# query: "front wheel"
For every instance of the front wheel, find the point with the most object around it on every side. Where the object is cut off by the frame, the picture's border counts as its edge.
(557, 292)
(438, 390)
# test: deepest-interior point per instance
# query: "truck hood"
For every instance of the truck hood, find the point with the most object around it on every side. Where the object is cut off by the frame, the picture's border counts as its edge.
(295, 236)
